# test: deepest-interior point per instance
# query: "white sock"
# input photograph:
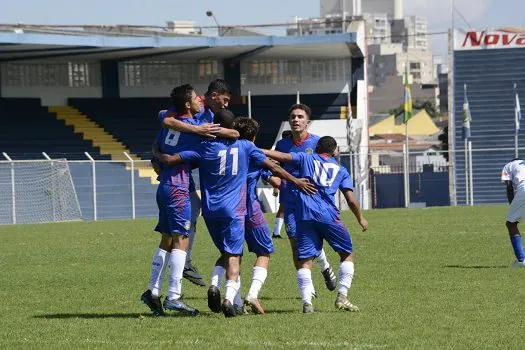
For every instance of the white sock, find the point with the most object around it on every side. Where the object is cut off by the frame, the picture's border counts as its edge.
(278, 225)
(304, 281)
(217, 275)
(346, 274)
(177, 259)
(258, 278)
(195, 212)
(237, 300)
(231, 290)
(322, 261)
(158, 266)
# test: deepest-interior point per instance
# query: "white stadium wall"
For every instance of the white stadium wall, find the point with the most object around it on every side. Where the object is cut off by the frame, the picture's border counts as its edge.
(52, 82)
(291, 89)
(155, 90)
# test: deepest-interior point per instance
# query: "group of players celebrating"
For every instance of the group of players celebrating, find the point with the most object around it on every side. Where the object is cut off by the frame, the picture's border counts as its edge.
(200, 132)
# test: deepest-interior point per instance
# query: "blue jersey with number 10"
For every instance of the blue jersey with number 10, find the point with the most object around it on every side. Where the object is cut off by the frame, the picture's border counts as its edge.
(223, 173)
(329, 177)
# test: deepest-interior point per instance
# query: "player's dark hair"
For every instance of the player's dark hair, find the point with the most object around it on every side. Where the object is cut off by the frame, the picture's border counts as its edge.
(286, 133)
(225, 118)
(219, 86)
(303, 107)
(248, 128)
(180, 95)
(326, 144)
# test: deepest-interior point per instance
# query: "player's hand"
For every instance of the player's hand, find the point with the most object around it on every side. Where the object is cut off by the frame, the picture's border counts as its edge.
(275, 192)
(306, 186)
(208, 130)
(364, 223)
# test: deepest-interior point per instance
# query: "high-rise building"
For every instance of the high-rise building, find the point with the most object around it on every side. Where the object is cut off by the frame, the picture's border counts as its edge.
(393, 8)
(412, 32)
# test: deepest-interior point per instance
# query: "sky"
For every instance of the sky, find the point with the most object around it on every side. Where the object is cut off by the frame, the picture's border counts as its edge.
(477, 13)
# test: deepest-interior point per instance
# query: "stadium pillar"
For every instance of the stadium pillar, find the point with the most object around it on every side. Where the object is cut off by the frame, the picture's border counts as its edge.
(110, 79)
(232, 75)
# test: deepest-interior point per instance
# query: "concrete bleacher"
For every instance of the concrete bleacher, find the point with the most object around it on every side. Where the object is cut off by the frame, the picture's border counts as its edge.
(28, 129)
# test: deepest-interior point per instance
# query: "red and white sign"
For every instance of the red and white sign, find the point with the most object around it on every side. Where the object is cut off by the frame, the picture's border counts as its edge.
(489, 39)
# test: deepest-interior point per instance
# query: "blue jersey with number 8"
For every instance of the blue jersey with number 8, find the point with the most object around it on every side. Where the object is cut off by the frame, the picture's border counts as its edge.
(329, 177)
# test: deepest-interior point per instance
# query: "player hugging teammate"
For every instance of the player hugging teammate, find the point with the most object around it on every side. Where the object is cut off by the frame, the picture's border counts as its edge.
(230, 165)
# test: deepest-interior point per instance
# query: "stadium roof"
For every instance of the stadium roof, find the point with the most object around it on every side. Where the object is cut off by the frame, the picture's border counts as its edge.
(17, 45)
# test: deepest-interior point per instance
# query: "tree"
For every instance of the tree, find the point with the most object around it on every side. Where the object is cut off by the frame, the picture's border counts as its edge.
(444, 142)
(427, 105)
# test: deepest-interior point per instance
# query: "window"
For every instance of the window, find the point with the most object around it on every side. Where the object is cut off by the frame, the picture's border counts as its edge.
(72, 74)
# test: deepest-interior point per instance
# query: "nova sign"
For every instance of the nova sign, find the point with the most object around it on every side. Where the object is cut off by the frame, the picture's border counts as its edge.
(488, 39)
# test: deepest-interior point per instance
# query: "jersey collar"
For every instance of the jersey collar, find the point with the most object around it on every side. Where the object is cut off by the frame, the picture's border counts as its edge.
(300, 142)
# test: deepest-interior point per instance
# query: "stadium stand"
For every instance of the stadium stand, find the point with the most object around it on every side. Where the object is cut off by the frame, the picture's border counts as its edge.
(44, 131)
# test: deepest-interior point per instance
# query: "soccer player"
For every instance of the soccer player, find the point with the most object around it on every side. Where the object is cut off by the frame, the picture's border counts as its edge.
(216, 98)
(514, 176)
(223, 171)
(173, 200)
(300, 141)
(279, 216)
(318, 218)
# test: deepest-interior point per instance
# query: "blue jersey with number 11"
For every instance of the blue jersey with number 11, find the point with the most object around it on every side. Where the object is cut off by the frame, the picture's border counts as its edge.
(329, 177)
(223, 172)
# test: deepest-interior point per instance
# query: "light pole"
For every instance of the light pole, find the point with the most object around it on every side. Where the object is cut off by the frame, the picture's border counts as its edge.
(210, 14)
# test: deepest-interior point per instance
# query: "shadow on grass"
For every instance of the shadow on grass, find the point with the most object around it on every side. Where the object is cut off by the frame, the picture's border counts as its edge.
(115, 315)
(477, 266)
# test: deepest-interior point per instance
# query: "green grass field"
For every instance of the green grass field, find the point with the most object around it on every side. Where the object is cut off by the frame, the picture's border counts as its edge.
(425, 278)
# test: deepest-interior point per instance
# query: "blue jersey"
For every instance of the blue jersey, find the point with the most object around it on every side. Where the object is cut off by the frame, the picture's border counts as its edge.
(254, 174)
(328, 176)
(289, 193)
(171, 142)
(223, 174)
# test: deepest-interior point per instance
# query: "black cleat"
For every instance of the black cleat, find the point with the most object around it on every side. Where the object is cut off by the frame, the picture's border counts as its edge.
(276, 236)
(153, 303)
(191, 274)
(329, 278)
(180, 306)
(228, 309)
(214, 299)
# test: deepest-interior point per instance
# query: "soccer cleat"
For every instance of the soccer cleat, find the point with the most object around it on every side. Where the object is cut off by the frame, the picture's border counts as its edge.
(308, 308)
(214, 299)
(254, 305)
(329, 278)
(518, 264)
(276, 236)
(191, 274)
(152, 302)
(180, 306)
(342, 303)
(227, 309)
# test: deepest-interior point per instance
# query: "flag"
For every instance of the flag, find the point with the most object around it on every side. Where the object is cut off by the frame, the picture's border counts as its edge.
(517, 110)
(467, 118)
(408, 99)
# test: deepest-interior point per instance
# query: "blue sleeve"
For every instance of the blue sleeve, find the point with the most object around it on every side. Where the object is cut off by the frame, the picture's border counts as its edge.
(266, 175)
(298, 158)
(190, 156)
(279, 146)
(162, 115)
(257, 157)
(346, 180)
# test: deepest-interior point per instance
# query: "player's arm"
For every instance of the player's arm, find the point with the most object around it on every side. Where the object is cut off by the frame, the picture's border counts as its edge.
(227, 133)
(206, 130)
(510, 191)
(302, 184)
(354, 207)
(166, 158)
(154, 160)
(278, 156)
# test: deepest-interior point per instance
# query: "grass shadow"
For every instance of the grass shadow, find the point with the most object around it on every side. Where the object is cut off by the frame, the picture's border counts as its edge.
(477, 266)
(114, 315)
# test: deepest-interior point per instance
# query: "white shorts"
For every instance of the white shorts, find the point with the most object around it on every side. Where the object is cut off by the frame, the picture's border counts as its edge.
(517, 208)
